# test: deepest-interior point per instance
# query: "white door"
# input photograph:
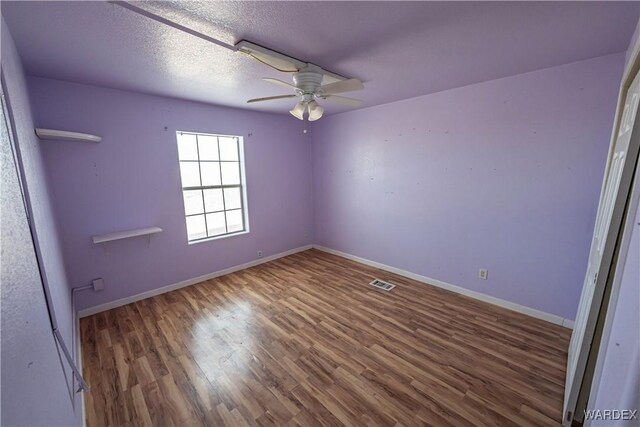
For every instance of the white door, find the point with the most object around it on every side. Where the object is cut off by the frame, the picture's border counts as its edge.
(601, 247)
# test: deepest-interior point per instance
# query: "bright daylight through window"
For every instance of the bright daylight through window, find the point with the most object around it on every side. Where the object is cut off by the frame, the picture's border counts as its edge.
(211, 169)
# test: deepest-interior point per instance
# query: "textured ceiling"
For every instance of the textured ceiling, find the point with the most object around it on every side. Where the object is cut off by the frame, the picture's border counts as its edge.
(399, 49)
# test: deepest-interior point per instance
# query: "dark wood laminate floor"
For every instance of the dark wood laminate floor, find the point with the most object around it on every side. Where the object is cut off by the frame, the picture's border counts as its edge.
(304, 340)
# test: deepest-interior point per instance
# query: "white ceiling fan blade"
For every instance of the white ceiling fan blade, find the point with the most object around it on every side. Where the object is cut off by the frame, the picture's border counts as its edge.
(279, 82)
(343, 100)
(342, 86)
(270, 98)
(315, 111)
(298, 111)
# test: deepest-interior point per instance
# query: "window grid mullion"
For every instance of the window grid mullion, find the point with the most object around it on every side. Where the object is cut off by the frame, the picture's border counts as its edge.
(212, 212)
(210, 161)
(206, 227)
(212, 187)
(241, 192)
(224, 205)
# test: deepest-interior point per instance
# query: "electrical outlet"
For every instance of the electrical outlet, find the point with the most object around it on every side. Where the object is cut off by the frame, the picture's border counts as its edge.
(259, 254)
(483, 273)
(98, 285)
(306, 233)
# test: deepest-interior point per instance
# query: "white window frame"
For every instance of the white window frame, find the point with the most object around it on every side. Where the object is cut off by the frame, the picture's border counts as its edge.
(242, 186)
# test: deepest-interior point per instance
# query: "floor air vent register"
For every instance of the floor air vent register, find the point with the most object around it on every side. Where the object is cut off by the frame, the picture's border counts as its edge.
(385, 286)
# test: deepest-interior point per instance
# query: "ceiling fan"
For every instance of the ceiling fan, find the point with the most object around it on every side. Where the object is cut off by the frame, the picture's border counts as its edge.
(307, 82)
(308, 87)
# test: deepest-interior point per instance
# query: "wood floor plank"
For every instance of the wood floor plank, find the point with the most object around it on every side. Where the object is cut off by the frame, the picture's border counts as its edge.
(304, 340)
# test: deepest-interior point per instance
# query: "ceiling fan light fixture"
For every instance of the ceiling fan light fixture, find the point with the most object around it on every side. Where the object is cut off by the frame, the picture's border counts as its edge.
(308, 87)
(315, 111)
(298, 111)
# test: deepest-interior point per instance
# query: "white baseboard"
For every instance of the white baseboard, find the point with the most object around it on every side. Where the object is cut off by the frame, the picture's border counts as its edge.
(552, 318)
(153, 292)
(79, 358)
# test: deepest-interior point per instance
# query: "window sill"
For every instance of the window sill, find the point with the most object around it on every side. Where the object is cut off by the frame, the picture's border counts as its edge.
(223, 236)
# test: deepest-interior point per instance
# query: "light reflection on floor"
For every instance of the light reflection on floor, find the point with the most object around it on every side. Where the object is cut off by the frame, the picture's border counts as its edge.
(223, 341)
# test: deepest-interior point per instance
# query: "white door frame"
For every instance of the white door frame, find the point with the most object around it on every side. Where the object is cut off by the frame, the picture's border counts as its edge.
(622, 259)
(614, 231)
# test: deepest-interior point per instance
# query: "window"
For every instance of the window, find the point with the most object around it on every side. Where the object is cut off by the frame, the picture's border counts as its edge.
(212, 174)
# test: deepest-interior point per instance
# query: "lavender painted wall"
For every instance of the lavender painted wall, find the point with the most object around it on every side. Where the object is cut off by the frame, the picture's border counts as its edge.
(46, 232)
(131, 180)
(503, 175)
(34, 387)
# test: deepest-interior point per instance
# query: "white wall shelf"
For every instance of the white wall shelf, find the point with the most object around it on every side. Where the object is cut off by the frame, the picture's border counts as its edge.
(103, 238)
(66, 135)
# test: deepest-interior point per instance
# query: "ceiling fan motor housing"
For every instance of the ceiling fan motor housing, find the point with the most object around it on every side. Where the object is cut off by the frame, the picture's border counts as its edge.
(307, 82)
